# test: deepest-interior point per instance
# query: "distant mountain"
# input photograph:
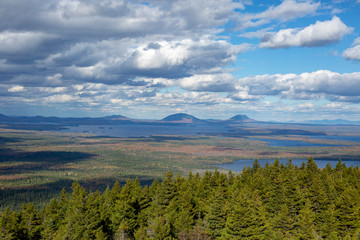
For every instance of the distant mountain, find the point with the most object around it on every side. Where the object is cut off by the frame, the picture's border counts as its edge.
(334, 122)
(115, 119)
(240, 119)
(181, 118)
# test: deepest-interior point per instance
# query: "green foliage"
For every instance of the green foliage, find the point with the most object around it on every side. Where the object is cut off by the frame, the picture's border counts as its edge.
(274, 202)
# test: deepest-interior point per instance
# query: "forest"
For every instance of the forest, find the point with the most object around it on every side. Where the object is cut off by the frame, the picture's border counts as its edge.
(272, 202)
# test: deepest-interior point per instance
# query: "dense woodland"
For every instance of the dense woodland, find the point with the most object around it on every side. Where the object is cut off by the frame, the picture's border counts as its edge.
(272, 202)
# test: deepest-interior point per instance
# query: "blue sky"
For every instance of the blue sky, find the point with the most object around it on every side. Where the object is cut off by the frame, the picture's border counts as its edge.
(272, 60)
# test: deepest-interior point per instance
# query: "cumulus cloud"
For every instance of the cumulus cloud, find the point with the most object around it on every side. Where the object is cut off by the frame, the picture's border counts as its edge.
(287, 10)
(113, 62)
(113, 18)
(179, 58)
(243, 96)
(353, 53)
(113, 42)
(209, 83)
(318, 34)
(305, 106)
(16, 88)
(322, 84)
(21, 42)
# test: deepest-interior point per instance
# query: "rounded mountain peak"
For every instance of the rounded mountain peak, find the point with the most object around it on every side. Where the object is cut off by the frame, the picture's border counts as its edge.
(239, 117)
(181, 117)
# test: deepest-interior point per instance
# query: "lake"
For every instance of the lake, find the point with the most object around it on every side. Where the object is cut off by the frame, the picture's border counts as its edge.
(238, 165)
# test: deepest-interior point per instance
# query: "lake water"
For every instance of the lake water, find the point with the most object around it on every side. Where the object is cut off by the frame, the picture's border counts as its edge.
(238, 165)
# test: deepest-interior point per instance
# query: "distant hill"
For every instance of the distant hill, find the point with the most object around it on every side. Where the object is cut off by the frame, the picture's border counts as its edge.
(334, 122)
(240, 118)
(114, 119)
(182, 118)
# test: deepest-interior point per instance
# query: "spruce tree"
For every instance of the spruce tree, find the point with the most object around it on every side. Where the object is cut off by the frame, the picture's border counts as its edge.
(216, 217)
(247, 218)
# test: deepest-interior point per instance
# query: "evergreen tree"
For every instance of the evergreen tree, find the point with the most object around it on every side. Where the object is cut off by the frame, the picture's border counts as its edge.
(347, 211)
(306, 220)
(9, 226)
(31, 222)
(82, 220)
(247, 219)
(216, 218)
(283, 224)
(51, 219)
(127, 207)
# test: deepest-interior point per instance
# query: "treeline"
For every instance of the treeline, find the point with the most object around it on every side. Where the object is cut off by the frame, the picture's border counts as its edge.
(272, 202)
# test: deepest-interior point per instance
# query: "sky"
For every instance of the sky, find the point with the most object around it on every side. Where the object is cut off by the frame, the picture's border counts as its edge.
(291, 60)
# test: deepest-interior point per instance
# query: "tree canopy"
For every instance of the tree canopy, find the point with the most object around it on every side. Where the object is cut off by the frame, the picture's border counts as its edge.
(272, 202)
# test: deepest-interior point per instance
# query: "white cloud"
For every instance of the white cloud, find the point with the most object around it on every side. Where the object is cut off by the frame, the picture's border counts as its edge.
(290, 9)
(21, 42)
(164, 54)
(322, 84)
(17, 88)
(306, 106)
(117, 61)
(60, 98)
(113, 18)
(177, 98)
(243, 96)
(353, 53)
(257, 34)
(50, 90)
(189, 53)
(209, 83)
(287, 10)
(318, 34)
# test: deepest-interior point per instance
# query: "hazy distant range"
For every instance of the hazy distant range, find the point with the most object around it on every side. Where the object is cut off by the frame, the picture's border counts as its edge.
(176, 124)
